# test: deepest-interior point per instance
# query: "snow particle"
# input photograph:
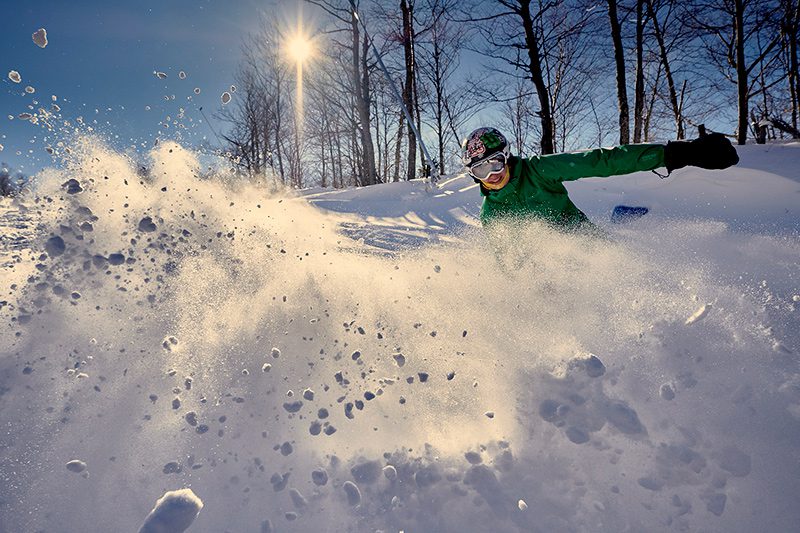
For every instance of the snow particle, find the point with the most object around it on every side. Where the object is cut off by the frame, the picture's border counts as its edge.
(522, 505)
(197, 90)
(160, 75)
(667, 392)
(293, 407)
(400, 359)
(14, 76)
(182, 75)
(171, 468)
(319, 477)
(174, 512)
(40, 37)
(715, 503)
(489, 414)
(146, 225)
(577, 435)
(76, 466)
(594, 367)
(390, 472)
(298, 500)
(226, 97)
(266, 368)
(55, 246)
(276, 353)
(286, 449)
(169, 343)
(353, 494)
(308, 394)
(473, 458)
(698, 315)
(72, 186)
(30, 90)
(650, 483)
(624, 418)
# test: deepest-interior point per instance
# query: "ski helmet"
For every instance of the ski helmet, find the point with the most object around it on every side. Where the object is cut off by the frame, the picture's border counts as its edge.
(482, 143)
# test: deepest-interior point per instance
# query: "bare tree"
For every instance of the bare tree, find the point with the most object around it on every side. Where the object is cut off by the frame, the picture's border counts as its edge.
(638, 106)
(619, 60)
(544, 42)
(731, 29)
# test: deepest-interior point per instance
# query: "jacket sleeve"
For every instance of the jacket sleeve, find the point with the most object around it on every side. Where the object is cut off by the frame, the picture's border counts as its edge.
(601, 163)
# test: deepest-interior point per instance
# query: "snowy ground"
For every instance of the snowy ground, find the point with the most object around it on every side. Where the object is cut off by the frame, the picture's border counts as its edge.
(358, 361)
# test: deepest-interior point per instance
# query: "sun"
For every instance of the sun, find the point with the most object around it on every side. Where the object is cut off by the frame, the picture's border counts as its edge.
(299, 48)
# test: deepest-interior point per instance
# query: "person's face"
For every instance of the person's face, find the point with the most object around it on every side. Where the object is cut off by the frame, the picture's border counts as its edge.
(492, 171)
(497, 180)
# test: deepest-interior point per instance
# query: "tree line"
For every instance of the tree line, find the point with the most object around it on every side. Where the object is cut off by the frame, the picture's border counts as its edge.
(555, 75)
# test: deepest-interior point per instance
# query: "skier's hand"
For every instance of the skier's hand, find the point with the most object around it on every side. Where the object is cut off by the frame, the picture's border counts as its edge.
(712, 151)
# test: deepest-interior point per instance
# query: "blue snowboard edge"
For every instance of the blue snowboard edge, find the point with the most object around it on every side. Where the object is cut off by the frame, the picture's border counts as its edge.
(626, 213)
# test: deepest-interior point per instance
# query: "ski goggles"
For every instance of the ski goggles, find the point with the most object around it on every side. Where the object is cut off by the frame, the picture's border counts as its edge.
(491, 165)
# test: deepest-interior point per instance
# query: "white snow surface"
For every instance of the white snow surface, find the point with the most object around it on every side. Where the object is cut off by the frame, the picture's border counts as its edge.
(136, 314)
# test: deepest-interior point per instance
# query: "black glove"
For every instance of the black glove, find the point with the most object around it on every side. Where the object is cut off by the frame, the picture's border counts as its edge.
(712, 151)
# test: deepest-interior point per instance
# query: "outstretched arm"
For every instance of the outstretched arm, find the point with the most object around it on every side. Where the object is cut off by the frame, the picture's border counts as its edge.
(601, 162)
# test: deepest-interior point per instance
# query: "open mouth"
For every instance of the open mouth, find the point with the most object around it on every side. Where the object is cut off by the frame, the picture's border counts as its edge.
(495, 177)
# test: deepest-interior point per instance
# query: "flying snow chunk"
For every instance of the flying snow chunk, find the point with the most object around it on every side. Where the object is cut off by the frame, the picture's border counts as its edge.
(197, 90)
(233, 88)
(146, 225)
(182, 75)
(1, 147)
(174, 512)
(55, 246)
(522, 505)
(353, 494)
(698, 315)
(226, 97)
(40, 37)
(14, 76)
(76, 466)
(160, 75)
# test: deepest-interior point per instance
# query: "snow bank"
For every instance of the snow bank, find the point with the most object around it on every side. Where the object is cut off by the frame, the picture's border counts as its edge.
(332, 368)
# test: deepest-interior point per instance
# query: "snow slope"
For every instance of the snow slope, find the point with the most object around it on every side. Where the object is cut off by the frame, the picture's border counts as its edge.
(359, 360)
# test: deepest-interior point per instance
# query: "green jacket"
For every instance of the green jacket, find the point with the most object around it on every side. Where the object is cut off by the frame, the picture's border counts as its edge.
(536, 187)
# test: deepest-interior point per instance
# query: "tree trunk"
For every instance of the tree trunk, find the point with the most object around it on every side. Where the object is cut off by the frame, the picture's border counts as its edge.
(619, 59)
(361, 87)
(741, 71)
(792, 18)
(673, 94)
(638, 106)
(398, 144)
(408, 89)
(439, 87)
(535, 68)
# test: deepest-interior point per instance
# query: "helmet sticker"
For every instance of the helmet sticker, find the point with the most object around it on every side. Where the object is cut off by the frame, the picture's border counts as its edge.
(475, 147)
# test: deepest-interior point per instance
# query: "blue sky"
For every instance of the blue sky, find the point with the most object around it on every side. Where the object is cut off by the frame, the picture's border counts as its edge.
(101, 55)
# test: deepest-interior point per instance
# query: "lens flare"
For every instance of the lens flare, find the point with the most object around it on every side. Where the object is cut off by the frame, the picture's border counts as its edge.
(299, 48)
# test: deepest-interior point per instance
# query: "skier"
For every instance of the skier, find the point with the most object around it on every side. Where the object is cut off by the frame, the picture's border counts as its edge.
(515, 188)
